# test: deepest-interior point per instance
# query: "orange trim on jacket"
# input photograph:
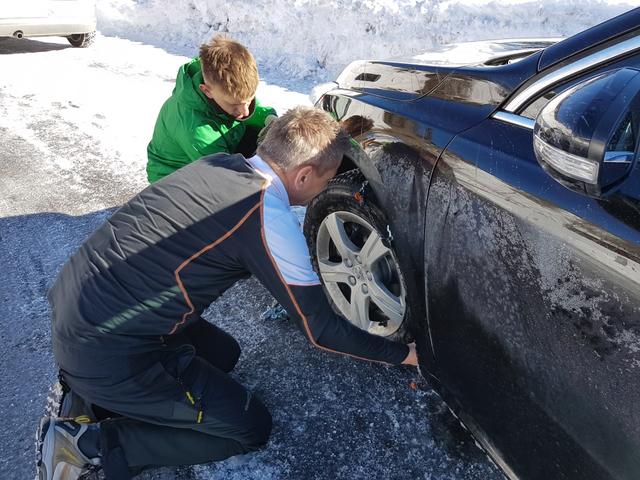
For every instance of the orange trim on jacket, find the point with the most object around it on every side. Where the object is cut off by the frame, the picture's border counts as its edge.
(197, 254)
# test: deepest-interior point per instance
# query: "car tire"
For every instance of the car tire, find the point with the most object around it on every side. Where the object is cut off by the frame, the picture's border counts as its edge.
(366, 287)
(81, 40)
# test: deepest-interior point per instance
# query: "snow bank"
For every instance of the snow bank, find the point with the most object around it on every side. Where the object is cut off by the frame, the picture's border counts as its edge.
(313, 40)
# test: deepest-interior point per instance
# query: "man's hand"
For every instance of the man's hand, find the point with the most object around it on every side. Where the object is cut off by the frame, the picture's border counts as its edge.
(412, 357)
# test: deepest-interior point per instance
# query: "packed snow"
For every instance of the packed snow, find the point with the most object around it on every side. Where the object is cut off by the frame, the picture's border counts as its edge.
(312, 40)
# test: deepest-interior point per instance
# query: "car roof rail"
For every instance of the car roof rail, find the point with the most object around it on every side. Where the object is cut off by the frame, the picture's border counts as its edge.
(603, 32)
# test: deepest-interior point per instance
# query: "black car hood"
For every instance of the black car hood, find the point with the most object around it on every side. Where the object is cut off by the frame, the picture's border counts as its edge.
(486, 52)
(472, 72)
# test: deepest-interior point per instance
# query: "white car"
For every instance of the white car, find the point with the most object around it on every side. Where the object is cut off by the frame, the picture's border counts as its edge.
(73, 19)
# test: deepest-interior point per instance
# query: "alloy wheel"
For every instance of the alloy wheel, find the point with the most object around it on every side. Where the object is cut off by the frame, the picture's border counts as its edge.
(360, 273)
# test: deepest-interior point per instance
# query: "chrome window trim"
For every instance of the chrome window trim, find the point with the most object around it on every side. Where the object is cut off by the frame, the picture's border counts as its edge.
(602, 56)
(514, 119)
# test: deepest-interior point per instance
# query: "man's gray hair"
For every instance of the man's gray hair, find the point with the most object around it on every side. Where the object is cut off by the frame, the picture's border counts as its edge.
(304, 136)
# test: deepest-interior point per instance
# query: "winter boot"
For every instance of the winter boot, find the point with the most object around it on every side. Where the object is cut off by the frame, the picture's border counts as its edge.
(67, 450)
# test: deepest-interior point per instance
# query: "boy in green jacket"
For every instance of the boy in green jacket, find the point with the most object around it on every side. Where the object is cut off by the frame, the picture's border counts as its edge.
(212, 109)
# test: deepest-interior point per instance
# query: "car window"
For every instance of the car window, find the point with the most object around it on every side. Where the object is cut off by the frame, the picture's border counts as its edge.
(534, 107)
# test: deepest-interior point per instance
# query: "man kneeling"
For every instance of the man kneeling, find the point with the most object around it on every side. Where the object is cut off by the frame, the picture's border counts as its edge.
(126, 327)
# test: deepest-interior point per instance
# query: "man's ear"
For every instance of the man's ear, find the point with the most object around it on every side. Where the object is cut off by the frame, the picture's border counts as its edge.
(203, 88)
(303, 175)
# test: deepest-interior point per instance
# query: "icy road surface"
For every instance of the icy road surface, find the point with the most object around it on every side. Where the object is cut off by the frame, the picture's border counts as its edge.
(74, 126)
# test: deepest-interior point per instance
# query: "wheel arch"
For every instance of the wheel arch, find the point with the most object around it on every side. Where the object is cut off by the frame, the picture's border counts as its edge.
(394, 182)
(396, 152)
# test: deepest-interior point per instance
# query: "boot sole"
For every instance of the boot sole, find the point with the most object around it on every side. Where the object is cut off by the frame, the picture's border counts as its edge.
(45, 438)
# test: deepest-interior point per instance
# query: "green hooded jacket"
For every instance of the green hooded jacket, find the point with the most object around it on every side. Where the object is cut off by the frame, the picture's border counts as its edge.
(190, 126)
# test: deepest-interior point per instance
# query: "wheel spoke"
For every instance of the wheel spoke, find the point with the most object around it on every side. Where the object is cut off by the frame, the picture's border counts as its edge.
(333, 272)
(335, 226)
(359, 309)
(373, 249)
(386, 301)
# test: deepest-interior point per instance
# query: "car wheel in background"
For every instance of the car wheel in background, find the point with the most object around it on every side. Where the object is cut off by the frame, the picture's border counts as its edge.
(81, 40)
(348, 241)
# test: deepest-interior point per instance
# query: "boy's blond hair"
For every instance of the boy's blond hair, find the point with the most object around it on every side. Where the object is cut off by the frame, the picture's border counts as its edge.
(230, 65)
(304, 136)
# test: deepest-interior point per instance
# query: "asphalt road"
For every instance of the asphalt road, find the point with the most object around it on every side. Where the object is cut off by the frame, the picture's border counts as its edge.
(334, 417)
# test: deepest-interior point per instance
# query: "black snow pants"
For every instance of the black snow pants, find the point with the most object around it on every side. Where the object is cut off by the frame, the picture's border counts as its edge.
(184, 409)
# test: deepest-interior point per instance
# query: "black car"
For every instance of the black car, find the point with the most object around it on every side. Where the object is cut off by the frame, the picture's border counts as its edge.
(491, 212)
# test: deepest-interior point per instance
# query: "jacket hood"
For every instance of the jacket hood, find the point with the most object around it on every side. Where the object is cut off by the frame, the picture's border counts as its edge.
(187, 87)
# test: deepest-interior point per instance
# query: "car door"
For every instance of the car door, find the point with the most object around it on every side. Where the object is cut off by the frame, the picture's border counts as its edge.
(533, 295)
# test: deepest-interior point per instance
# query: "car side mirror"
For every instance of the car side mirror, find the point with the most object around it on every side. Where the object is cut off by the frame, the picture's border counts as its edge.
(587, 137)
